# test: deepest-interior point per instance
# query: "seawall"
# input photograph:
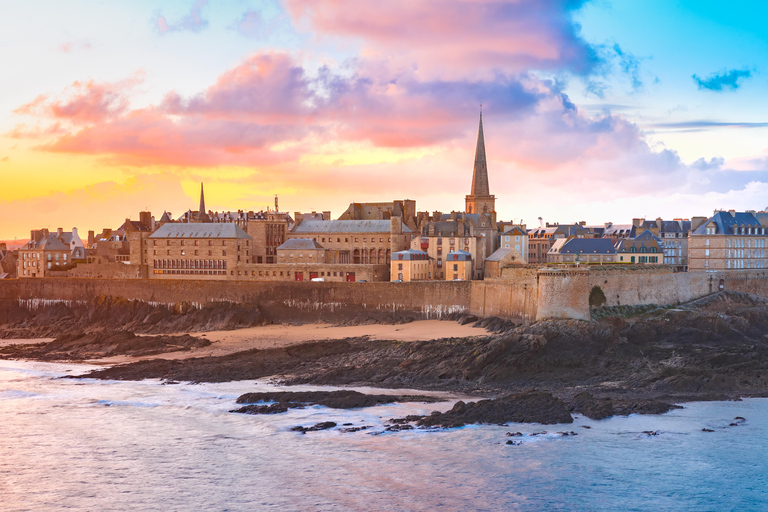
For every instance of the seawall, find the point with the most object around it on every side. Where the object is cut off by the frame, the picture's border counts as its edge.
(523, 295)
(280, 300)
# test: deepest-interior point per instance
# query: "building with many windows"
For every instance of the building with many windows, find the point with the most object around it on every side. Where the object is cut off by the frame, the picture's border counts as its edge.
(729, 240)
(583, 251)
(204, 250)
(644, 249)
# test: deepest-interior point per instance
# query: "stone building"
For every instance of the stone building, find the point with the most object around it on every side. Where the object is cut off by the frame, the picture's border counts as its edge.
(729, 240)
(411, 265)
(300, 250)
(8, 259)
(582, 251)
(643, 249)
(43, 254)
(359, 242)
(541, 240)
(406, 209)
(203, 250)
(458, 266)
(268, 229)
(451, 233)
(674, 237)
(516, 240)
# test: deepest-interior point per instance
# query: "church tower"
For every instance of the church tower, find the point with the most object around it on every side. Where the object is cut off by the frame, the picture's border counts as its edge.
(480, 199)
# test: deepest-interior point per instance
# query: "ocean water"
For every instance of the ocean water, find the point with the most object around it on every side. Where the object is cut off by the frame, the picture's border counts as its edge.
(108, 446)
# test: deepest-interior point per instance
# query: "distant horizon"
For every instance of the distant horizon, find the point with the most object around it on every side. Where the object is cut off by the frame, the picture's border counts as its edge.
(594, 110)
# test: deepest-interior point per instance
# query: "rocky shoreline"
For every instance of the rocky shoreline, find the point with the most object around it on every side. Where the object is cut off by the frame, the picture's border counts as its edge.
(640, 360)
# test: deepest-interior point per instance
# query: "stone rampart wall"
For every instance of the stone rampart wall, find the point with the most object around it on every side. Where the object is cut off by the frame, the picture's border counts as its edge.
(309, 300)
(522, 294)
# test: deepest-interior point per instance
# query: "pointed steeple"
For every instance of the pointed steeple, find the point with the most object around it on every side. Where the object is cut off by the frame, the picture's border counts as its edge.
(480, 174)
(202, 200)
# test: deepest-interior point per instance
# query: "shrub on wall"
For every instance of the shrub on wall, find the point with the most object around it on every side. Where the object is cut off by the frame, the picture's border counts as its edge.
(596, 297)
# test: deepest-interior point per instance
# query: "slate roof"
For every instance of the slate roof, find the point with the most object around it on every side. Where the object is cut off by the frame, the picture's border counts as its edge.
(499, 254)
(447, 229)
(587, 246)
(409, 255)
(346, 226)
(726, 223)
(620, 230)
(458, 256)
(299, 244)
(514, 230)
(201, 230)
(51, 243)
(166, 217)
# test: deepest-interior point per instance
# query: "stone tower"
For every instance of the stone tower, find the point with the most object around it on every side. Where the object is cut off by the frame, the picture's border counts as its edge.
(480, 199)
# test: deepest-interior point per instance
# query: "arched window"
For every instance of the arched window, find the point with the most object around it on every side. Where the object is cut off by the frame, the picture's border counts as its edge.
(356, 256)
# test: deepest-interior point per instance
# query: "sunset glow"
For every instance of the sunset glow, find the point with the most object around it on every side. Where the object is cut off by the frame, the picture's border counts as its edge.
(593, 110)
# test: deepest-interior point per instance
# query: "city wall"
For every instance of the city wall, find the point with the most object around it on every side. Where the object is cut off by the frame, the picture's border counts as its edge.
(522, 295)
(289, 300)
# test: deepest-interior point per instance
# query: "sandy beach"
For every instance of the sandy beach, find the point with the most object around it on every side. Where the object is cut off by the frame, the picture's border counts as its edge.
(276, 336)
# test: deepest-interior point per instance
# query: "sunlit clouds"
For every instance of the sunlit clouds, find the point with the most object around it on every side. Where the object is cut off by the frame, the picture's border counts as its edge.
(363, 101)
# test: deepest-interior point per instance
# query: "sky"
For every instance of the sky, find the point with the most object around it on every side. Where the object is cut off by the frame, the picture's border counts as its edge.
(593, 110)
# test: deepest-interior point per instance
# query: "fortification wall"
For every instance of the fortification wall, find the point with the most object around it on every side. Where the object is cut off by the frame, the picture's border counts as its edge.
(281, 300)
(522, 294)
(514, 297)
(111, 270)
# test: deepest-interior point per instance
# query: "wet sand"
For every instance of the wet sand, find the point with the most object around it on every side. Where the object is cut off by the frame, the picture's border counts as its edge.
(277, 336)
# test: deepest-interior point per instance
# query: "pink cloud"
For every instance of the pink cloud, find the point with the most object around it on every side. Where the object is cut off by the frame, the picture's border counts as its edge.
(84, 102)
(462, 36)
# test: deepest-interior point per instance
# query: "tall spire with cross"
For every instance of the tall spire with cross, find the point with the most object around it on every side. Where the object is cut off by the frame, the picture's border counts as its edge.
(480, 199)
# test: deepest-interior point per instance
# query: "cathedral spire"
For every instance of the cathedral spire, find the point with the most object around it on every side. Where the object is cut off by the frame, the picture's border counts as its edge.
(480, 174)
(480, 199)
(202, 200)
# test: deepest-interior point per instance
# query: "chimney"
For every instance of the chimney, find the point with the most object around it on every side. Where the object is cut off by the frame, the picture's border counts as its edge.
(732, 212)
(637, 222)
(297, 218)
(396, 225)
(146, 219)
(609, 224)
(59, 231)
(541, 222)
(326, 215)
(91, 238)
(659, 222)
(74, 235)
(454, 216)
(697, 221)
(583, 223)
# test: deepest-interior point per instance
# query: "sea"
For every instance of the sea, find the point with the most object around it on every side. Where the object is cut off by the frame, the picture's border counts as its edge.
(89, 445)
